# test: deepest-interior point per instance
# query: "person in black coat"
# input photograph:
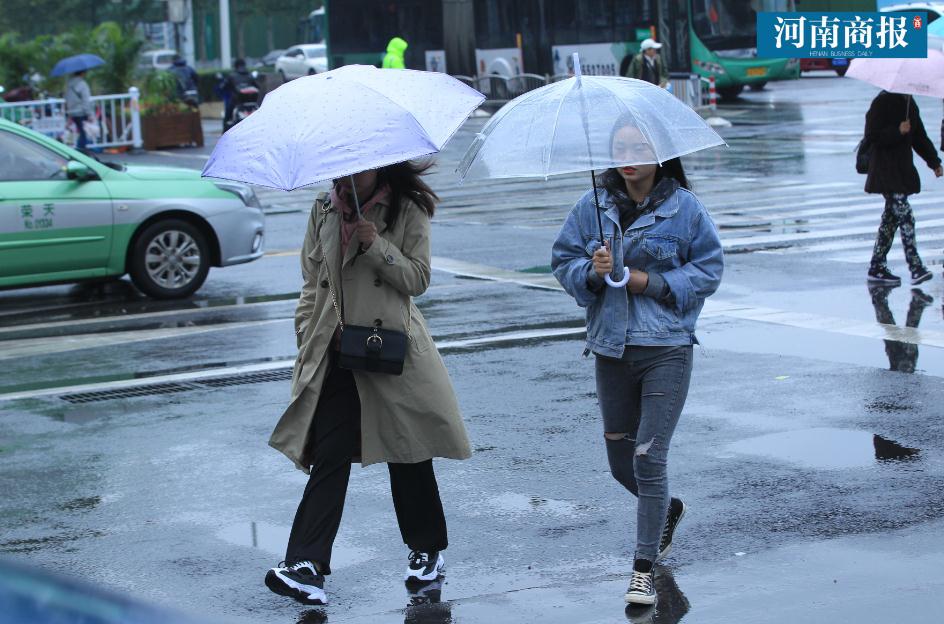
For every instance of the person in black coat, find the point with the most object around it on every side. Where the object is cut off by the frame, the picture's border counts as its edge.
(893, 128)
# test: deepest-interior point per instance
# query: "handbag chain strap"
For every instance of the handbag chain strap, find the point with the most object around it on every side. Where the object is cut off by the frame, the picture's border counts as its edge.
(325, 209)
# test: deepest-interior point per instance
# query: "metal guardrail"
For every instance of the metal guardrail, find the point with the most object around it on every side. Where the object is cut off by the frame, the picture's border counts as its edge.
(690, 88)
(115, 122)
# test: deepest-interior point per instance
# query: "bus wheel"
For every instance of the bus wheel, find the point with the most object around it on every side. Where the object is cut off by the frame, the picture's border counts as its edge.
(730, 93)
(758, 86)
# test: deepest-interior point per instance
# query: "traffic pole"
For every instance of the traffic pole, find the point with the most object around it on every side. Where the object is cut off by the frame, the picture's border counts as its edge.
(712, 94)
(226, 53)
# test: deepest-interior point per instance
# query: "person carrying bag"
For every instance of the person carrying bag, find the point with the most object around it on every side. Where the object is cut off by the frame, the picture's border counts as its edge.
(368, 382)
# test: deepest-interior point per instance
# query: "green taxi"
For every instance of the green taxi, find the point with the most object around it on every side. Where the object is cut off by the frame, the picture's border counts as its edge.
(66, 217)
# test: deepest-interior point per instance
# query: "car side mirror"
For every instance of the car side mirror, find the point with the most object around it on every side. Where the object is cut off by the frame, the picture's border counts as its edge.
(79, 171)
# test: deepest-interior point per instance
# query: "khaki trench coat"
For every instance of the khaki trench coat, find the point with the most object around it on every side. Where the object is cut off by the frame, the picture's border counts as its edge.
(405, 418)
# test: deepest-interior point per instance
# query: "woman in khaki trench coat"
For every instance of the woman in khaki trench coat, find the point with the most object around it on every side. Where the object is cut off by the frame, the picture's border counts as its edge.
(371, 269)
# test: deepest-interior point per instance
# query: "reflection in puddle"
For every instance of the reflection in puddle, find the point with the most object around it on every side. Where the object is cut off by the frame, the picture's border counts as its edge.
(272, 539)
(520, 504)
(670, 608)
(902, 356)
(826, 448)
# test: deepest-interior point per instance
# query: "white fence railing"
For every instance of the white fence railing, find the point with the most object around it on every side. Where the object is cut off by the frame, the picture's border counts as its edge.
(116, 121)
(500, 89)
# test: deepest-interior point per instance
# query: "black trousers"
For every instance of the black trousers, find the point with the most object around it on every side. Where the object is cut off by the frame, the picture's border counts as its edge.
(333, 443)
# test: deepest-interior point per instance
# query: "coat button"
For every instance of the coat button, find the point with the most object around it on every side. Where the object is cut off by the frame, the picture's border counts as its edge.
(324, 283)
(389, 259)
(377, 282)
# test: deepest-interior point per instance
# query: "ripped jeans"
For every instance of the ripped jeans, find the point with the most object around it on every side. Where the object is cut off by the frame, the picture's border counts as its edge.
(641, 396)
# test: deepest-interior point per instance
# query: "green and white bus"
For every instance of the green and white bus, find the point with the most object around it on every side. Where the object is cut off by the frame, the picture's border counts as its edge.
(510, 37)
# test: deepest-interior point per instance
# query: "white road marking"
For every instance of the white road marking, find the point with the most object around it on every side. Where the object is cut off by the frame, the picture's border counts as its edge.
(31, 347)
(214, 373)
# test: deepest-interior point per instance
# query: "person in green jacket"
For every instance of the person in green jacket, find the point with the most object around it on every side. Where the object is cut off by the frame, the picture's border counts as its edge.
(648, 65)
(395, 51)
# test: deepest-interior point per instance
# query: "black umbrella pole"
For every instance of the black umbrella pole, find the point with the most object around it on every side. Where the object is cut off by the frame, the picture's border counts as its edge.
(596, 199)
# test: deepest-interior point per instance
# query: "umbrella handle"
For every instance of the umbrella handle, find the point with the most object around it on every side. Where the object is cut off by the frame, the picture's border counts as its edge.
(617, 284)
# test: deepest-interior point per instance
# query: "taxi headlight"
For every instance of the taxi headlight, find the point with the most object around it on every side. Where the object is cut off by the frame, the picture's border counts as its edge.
(243, 192)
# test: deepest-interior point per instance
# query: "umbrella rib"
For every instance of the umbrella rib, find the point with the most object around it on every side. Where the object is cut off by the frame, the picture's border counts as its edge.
(547, 165)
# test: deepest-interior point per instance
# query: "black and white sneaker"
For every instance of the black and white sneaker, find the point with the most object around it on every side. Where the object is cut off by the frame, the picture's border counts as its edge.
(883, 276)
(920, 276)
(301, 581)
(676, 512)
(424, 566)
(641, 589)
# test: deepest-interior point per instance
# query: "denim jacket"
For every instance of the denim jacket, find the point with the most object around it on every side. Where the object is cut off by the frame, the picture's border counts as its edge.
(676, 243)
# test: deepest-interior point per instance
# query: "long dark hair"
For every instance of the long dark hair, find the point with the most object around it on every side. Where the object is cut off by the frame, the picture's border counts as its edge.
(406, 183)
(613, 181)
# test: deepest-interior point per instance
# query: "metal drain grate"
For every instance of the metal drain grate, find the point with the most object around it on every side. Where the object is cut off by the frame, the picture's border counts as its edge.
(126, 393)
(283, 374)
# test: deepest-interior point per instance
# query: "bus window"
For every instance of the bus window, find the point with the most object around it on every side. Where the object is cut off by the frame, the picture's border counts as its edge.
(731, 24)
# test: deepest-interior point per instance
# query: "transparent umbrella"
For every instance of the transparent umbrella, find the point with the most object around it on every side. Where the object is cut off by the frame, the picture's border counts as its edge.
(569, 127)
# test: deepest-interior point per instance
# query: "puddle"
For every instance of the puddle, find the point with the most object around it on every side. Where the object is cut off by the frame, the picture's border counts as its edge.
(273, 538)
(826, 448)
(522, 504)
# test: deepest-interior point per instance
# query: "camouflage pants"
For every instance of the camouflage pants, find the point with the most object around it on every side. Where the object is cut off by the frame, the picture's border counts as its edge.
(897, 215)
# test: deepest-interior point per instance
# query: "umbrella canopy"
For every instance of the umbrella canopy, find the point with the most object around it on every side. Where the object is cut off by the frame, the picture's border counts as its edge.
(936, 34)
(342, 122)
(568, 126)
(911, 76)
(77, 63)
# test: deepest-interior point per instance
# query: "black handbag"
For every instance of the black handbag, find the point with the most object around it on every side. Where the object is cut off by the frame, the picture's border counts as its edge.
(371, 349)
(863, 154)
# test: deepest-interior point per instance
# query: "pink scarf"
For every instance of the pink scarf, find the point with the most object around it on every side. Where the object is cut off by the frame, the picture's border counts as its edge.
(349, 213)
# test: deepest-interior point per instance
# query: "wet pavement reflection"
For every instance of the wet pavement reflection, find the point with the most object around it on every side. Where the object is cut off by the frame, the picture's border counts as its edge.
(671, 607)
(826, 448)
(902, 356)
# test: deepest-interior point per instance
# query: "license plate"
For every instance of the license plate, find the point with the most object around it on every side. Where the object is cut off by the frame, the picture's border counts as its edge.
(756, 71)
(840, 62)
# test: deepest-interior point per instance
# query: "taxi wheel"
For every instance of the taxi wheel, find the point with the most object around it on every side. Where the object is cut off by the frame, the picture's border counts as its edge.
(170, 260)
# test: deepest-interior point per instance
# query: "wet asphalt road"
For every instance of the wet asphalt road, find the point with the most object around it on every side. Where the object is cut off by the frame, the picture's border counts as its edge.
(133, 433)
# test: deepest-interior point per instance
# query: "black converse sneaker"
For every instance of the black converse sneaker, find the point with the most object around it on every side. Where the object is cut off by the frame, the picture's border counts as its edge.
(424, 566)
(920, 276)
(676, 513)
(881, 275)
(301, 581)
(641, 589)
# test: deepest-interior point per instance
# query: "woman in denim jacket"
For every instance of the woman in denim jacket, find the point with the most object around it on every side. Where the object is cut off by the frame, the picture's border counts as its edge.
(641, 334)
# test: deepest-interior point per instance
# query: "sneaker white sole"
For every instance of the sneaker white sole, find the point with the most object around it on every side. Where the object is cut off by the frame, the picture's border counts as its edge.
(640, 599)
(413, 575)
(668, 548)
(284, 586)
(921, 279)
